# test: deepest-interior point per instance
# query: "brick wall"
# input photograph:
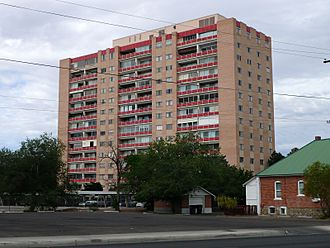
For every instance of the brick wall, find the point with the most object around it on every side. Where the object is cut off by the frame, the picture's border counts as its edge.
(290, 197)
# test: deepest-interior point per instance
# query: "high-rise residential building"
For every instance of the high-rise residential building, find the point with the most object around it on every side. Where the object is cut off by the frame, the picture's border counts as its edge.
(212, 75)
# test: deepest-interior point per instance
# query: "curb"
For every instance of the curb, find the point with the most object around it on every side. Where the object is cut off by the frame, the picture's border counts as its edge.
(106, 239)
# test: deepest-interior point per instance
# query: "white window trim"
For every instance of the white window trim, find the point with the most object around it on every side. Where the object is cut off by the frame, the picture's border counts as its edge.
(277, 198)
(299, 194)
(270, 208)
(285, 210)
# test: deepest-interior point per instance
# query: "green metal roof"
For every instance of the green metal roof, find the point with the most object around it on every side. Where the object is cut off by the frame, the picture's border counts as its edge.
(296, 163)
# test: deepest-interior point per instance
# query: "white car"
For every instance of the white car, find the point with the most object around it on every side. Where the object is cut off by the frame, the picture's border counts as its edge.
(139, 205)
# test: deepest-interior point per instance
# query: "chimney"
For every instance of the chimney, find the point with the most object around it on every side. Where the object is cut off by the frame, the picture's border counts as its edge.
(317, 137)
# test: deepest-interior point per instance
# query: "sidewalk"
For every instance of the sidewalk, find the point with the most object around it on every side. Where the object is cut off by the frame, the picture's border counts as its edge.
(57, 241)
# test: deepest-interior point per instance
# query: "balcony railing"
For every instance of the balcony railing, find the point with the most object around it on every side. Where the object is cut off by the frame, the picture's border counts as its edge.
(85, 180)
(82, 149)
(135, 111)
(134, 67)
(197, 115)
(194, 67)
(83, 108)
(83, 87)
(198, 78)
(196, 40)
(209, 139)
(194, 55)
(82, 170)
(134, 133)
(82, 138)
(198, 90)
(75, 99)
(134, 78)
(82, 128)
(82, 118)
(134, 145)
(130, 55)
(94, 75)
(139, 99)
(81, 159)
(135, 89)
(198, 127)
(125, 123)
(198, 102)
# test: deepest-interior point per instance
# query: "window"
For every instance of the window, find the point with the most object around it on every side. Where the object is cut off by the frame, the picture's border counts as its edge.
(112, 55)
(251, 160)
(158, 92)
(258, 54)
(103, 101)
(250, 73)
(259, 77)
(168, 114)
(250, 98)
(250, 86)
(251, 111)
(168, 67)
(238, 57)
(267, 58)
(248, 49)
(110, 121)
(251, 148)
(240, 95)
(240, 108)
(240, 133)
(103, 70)
(241, 159)
(241, 147)
(102, 133)
(158, 44)
(112, 68)
(158, 81)
(103, 57)
(158, 104)
(169, 79)
(159, 127)
(159, 69)
(168, 91)
(168, 42)
(240, 82)
(111, 79)
(251, 123)
(158, 58)
(261, 149)
(102, 111)
(249, 61)
(102, 122)
(282, 210)
(251, 135)
(111, 100)
(111, 89)
(169, 102)
(240, 120)
(238, 45)
(261, 162)
(169, 126)
(271, 210)
(301, 188)
(259, 65)
(278, 190)
(168, 56)
(158, 115)
(239, 69)
(103, 91)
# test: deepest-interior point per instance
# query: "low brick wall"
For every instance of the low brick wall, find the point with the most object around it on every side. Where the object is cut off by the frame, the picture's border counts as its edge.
(295, 212)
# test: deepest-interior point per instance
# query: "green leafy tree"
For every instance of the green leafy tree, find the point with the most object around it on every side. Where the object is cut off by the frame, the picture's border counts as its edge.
(170, 169)
(317, 184)
(293, 150)
(274, 158)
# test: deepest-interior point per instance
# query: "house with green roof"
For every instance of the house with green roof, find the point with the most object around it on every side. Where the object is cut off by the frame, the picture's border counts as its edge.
(279, 189)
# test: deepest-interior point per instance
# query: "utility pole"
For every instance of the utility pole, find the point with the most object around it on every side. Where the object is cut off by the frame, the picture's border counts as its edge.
(326, 61)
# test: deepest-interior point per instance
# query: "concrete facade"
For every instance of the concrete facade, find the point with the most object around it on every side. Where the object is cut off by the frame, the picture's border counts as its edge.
(211, 75)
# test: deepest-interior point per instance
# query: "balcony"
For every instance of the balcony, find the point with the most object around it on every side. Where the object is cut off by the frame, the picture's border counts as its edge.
(76, 99)
(134, 89)
(76, 79)
(85, 180)
(196, 40)
(194, 67)
(82, 149)
(208, 139)
(139, 99)
(198, 127)
(83, 118)
(194, 55)
(134, 133)
(206, 89)
(198, 102)
(93, 106)
(82, 138)
(126, 123)
(83, 87)
(136, 67)
(197, 115)
(81, 159)
(134, 54)
(198, 78)
(82, 170)
(81, 128)
(135, 111)
(134, 145)
(134, 78)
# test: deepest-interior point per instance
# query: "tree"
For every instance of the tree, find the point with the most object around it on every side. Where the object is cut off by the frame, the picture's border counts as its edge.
(36, 167)
(293, 150)
(169, 170)
(120, 164)
(317, 184)
(274, 158)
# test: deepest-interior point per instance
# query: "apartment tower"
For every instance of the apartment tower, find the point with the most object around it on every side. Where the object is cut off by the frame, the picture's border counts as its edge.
(212, 75)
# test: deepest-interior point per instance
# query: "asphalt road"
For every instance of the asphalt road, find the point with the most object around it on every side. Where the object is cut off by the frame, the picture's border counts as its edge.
(86, 223)
(306, 241)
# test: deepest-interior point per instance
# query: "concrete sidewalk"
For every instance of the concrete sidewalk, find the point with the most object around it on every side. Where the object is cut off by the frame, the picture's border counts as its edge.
(57, 241)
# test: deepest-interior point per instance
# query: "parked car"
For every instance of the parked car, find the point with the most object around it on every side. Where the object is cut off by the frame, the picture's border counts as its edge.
(140, 204)
(91, 203)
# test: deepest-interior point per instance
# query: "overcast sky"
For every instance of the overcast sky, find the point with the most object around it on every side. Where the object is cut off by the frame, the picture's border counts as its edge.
(37, 37)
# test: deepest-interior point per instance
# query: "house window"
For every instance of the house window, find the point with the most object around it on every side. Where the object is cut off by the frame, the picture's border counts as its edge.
(282, 210)
(271, 210)
(159, 127)
(301, 188)
(278, 190)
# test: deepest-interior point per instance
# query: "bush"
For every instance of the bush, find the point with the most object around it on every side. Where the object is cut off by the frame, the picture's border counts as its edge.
(226, 202)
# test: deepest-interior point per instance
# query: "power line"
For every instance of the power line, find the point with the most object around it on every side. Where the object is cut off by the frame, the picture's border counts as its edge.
(172, 23)
(72, 17)
(159, 80)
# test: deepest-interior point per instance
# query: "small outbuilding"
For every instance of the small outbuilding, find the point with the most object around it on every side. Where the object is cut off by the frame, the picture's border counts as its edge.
(197, 201)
